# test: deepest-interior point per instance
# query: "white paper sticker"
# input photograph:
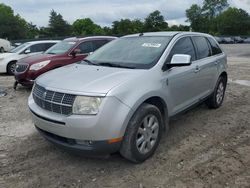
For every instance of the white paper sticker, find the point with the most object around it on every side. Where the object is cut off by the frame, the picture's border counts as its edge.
(151, 45)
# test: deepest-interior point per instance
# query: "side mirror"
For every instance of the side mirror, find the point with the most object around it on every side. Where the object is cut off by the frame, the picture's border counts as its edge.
(178, 60)
(27, 51)
(75, 51)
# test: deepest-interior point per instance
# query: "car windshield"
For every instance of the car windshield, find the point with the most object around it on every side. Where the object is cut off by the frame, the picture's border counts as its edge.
(17, 49)
(141, 52)
(61, 47)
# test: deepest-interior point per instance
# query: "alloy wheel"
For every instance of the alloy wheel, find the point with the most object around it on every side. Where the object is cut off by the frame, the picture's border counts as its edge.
(13, 68)
(220, 93)
(147, 134)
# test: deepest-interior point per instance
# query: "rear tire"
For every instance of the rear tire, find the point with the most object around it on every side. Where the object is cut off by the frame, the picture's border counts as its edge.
(11, 67)
(217, 97)
(1, 50)
(143, 134)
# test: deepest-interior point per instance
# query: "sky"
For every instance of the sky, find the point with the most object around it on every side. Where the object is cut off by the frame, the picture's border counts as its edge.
(105, 12)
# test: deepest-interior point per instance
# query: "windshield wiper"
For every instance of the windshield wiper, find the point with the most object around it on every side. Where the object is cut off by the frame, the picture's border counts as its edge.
(116, 65)
(90, 62)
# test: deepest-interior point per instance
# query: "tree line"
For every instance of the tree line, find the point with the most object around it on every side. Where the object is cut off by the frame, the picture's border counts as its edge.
(58, 27)
(217, 18)
(213, 16)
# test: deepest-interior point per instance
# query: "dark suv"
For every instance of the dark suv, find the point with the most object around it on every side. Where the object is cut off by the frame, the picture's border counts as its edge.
(66, 52)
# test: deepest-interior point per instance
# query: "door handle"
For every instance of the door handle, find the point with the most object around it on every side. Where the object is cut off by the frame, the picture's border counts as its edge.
(216, 62)
(197, 69)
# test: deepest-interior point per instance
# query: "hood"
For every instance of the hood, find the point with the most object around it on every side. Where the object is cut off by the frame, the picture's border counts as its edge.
(36, 58)
(87, 79)
(4, 55)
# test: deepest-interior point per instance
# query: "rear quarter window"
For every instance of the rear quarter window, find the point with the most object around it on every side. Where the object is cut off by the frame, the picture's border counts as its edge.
(202, 47)
(214, 46)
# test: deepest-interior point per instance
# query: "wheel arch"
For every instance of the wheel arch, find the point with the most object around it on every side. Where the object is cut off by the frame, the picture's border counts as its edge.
(224, 75)
(157, 101)
(11, 61)
(161, 105)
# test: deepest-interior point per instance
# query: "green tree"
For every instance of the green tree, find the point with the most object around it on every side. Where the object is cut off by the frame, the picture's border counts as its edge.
(179, 28)
(44, 32)
(33, 31)
(127, 26)
(86, 27)
(214, 7)
(58, 26)
(233, 21)
(203, 19)
(107, 30)
(155, 22)
(198, 21)
(11, 26)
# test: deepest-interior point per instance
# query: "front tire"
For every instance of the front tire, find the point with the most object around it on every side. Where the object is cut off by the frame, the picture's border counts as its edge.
(217, 97)
(11, 67)
(143, 134)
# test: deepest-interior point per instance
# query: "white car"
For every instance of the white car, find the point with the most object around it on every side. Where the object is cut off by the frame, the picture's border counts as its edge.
(4, 46)
(8, 60)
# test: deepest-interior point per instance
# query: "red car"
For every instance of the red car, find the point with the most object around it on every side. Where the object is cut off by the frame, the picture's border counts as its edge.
(66, 52)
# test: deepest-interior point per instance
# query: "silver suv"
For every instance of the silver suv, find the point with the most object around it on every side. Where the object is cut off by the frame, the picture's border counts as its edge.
(122, 96)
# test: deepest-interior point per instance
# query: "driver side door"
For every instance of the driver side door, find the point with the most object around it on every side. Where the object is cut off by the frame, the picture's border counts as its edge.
(85, 48)
(181, 86)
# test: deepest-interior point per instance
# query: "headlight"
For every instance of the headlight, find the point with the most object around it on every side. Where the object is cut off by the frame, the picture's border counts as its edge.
(86, 105)
(40, 65)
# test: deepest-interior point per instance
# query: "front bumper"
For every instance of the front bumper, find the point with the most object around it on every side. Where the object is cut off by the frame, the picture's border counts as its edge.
(109, 123)
(88, 148)
(25, 78)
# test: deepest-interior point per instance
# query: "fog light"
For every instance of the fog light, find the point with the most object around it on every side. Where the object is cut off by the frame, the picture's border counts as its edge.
(84, 142)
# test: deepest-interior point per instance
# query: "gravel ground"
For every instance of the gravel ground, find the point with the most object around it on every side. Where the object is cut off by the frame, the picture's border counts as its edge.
(204, 148)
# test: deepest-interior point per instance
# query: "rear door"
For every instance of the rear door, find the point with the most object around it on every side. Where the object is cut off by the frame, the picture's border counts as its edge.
(218, 58)
(206, 68)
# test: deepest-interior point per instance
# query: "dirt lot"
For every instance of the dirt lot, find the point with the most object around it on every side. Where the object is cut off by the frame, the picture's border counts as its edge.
(204, 148)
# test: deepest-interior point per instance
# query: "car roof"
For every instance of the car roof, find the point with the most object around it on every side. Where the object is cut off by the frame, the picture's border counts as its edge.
(151, 34)
(167, 34)
(76, 39)
(43, 41)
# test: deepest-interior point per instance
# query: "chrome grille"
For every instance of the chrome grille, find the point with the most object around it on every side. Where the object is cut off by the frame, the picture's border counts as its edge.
(21, 67)
(57, 102)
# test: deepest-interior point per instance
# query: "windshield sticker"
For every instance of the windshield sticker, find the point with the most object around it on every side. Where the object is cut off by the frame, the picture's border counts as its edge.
(151, 45)
(72, 42)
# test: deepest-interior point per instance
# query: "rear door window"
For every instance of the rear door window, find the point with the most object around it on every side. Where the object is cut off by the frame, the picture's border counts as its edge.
(202, 47)
(214, 46)
(182, 46)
